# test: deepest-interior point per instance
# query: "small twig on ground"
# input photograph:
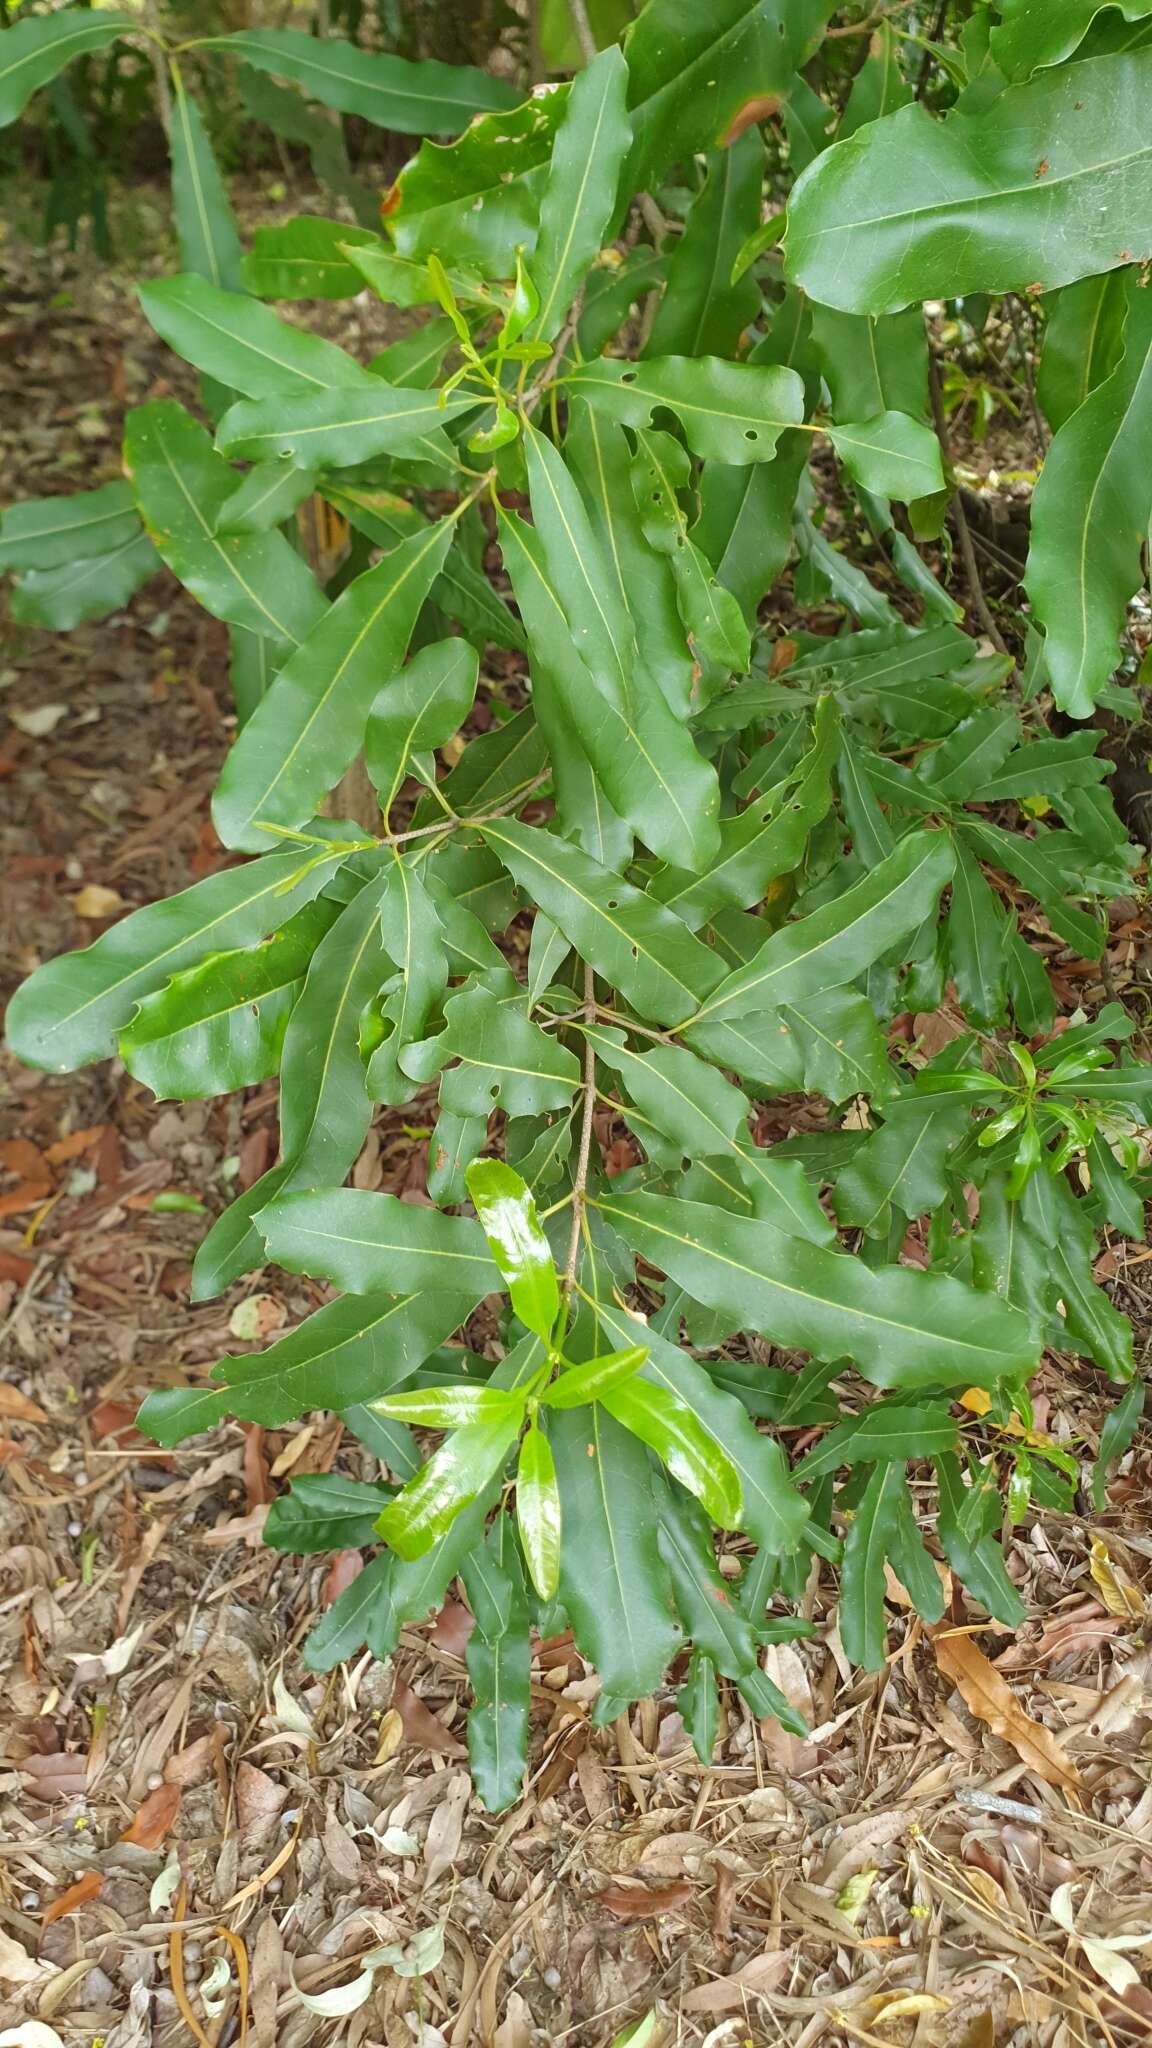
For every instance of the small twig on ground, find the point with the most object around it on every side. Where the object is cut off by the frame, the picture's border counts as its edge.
(580, 1183)
(963, 531)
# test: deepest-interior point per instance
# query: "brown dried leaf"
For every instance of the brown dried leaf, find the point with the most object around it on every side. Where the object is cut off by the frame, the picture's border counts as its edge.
(421, 1725)
(16, 1965)
(63, 1775)
(992, 1701)
(85, 1888)
(341, 1851)
(731, 1994)
(345, 1566)
(258, 1799)
(19, 1407)
(1120, 1594)
(155, 1818)
(641, 1901)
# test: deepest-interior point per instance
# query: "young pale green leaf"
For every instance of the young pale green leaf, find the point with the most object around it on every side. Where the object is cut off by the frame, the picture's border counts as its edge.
(417, 710)
(732, 412)
(451, 1407)
(307, 258)
(904, 1329)
(1090, 518)
(501, 1059)
(428, 98)
(538, 1512)
(705, 310)
(580, 1384)
(692, 1455)
(466, 1463)
(579, 198)
(53, 533)
(182, 486)
(70, 1011)
(243, 344)
(637, 945)
(613, 1582)
(842, 939)
(870, 1539)
(37, 48)
(507, 1213)
(1052, 182)
(350, 1351)
(325, 1511)
(308, 729)
(364, 1242)
(891, 454)
(220, 1025)
(206, 233)
(1083, 342)
(325, 429)
(88, 589)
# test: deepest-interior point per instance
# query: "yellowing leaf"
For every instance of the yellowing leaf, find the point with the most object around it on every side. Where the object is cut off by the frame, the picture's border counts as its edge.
(977, 1400)
(1120, 1594)
(852, 1900)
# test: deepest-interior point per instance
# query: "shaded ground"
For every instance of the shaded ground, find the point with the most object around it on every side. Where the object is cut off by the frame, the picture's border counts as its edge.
(185, 1811)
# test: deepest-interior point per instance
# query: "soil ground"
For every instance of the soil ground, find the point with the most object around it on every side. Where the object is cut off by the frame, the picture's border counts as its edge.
(197, 1836)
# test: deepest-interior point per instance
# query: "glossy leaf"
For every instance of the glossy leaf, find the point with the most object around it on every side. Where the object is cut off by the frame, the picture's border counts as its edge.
(364, 1242)
(86, 589)
(206, 231)
(903, 1328)
(1051, 183)
(466, 1462)
(516, 1241)
(52, 533)
(1031, 34)
(613, 1583)
(307, 730)
(502, 1059)
(451, 1407)
(418, 710)
(37, 47)
(328, 428)
(692, 1455)
(579, 1384)
(731, 412)
(870, 1538)
(579, 199)
(306, 258)
(538, 1513)
(413, 99)
(69, 1012)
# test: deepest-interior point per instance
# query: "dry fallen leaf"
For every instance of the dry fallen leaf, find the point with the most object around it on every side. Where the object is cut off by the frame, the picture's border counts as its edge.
(258, 1800)
(85, 1888)
(155, 1818)
(17, 1405)
(16, 1965)
(421, 1725)
(732, 1994)
(94, 900)
(641, 1901)
(992, 1701)
(256, 1318)
(1120, 1594)
(40, 720)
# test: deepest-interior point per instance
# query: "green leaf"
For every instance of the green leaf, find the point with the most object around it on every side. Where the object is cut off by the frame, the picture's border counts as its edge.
(1120, 1426)
(886, 1432)
(701, 75)
(641, 754)
(87, 589)
(863, 1622)
(220, 1025)
(1083, 342)
(538, 1514)
(579, 198)
(182, 486)
(1034, 33)
(329, 428)
(414, 937)
(1052, 182)
(325, 1107)
(243, 344)
(397, 1594)
(206, 234)
(698, 1704)
(1090, 519)
(911, 1562)
(879, 86)
(891, 454)
(70, 1011)
(499, 1664)
(417, 710)
(307, 258)
(309, 727)
(872, 367)
(53, 533)
(745, 522)
(703, 311)
(266, 497)
(1121, 1203)
(508, 1217)
(637, 945)
(903, 1165)
(713, 620)
(733, 412)
(465, 1464)
(829, 1044)
(352, 1350)
(364, 1242)
(502, 1059)
(903, 1328)
(843, 938)
(37, 47)
(413, 99)
(613, 1583)
(975, 1557)
(479, 198)
(711, 1618)
(451, 1407)
(976, 945)
(692, 1455)
(461, 589)
(325, 1511)
(579, 1384)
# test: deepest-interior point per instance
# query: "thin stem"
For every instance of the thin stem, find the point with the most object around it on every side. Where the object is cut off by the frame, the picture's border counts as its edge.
(559, 350)
(580, 1182)
(589, 47)
(963, 531)
(1024, 354)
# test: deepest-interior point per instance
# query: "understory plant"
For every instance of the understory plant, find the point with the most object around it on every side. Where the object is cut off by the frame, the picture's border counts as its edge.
(643, 869)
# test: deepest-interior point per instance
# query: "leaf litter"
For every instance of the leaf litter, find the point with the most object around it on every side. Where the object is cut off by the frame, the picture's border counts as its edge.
(194, 1823)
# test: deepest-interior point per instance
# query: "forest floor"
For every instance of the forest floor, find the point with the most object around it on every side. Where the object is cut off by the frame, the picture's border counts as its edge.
(197, 1836)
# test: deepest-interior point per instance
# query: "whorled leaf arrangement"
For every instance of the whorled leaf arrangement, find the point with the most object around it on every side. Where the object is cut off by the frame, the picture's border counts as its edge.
(743, 855)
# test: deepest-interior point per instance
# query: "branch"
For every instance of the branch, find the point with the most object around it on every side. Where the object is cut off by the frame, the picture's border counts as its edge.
(589, 47)
(580, 1184)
